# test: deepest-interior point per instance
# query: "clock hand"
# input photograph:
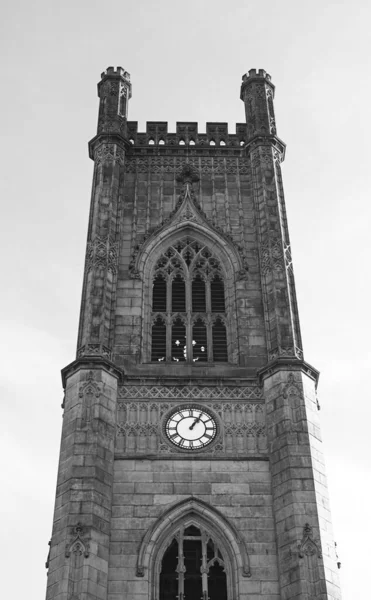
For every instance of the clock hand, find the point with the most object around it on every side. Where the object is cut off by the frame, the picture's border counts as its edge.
(197, 420)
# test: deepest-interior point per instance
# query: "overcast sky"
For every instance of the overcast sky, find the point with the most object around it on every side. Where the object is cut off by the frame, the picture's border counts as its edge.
(186, 60)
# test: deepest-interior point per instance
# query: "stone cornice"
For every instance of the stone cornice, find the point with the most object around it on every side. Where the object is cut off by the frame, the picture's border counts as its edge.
(267, 140)
(288, 364)
(107, 138)
(91, 362)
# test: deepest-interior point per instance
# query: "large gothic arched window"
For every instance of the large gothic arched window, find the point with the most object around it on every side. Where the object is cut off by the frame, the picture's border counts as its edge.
(192, 567)
(188, 305)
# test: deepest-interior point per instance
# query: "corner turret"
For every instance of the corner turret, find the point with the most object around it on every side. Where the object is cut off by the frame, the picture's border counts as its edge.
(257, 93)
(114, 91)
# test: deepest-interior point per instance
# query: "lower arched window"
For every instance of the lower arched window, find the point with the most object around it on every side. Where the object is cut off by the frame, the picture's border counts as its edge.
(192, 568)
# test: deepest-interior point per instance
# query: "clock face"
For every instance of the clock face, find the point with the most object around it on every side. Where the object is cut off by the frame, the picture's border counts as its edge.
(191, 428)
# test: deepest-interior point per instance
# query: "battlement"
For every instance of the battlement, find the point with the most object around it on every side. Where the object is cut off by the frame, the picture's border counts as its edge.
(186, 134)
(256, 73)
(116, 71)
(257, 76)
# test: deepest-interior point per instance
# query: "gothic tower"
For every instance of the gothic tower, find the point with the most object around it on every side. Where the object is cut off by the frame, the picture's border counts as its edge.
(190, 464)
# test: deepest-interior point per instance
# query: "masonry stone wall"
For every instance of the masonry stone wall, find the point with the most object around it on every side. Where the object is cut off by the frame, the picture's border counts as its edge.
(240, 490)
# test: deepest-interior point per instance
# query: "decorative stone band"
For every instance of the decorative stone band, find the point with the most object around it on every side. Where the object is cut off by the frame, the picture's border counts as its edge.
(199, 165)
(292, 352)
(94, 350)
(191, 391)
(114, 124)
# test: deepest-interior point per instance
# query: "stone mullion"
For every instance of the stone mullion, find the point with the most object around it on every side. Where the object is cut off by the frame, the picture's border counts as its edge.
(204, 567)
(168, 319)
(189, 332)
(181, 567)
(168, 337)
(209, 321)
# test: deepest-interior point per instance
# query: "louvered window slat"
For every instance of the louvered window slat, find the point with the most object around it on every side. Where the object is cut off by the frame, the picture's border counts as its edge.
(199, 342)
(217, 296)
(178, 341)
(158, 341)
(159, 295)
(198, 295)
(219, 334)
(178, 295)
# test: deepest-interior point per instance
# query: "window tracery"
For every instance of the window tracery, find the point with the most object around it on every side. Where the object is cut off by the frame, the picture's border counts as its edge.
(193, 567)
(188, 305)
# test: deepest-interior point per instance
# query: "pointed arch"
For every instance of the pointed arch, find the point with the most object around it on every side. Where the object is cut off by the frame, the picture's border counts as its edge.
(196, 512)
(212, 255)
(216, 241)
(189, 218)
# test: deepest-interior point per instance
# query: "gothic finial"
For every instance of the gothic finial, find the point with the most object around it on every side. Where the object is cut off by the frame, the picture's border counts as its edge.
(188, 174)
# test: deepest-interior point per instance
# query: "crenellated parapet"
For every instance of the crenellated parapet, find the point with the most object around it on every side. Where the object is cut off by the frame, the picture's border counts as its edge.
(217, 136)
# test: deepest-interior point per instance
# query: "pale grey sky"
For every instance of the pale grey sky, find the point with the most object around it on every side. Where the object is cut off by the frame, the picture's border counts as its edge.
(186, 60)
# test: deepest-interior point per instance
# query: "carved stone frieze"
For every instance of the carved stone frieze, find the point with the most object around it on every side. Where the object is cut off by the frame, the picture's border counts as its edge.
(271, 256)
(262, 155)
(94, 350)
(282, 352)
(198, 165)
(140, 427)
(102, 252)
(109, 153)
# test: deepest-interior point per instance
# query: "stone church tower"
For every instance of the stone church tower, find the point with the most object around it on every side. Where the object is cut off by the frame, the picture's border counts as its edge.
(190, 464)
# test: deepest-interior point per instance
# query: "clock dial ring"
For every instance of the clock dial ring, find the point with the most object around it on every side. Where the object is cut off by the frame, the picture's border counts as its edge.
(190, 427)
